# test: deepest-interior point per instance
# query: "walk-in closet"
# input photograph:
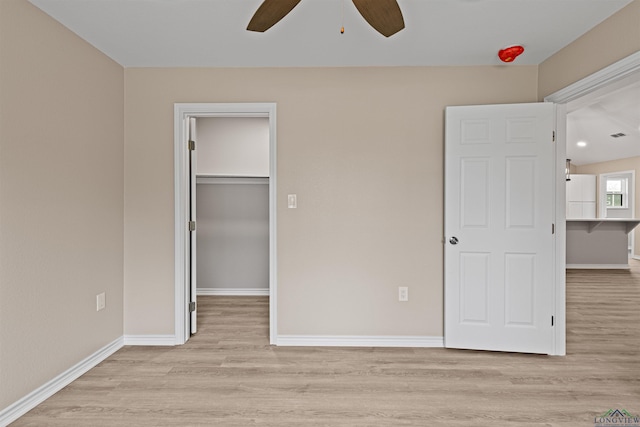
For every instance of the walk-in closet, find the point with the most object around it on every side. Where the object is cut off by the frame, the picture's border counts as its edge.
(232, 205)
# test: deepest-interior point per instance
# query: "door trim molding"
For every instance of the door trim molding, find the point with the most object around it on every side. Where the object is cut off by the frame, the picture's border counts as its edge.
(181, 170)
(606, 76)
(609, 75)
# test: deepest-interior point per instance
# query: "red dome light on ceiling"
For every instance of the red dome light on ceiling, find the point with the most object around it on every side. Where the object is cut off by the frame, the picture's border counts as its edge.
(508, 54)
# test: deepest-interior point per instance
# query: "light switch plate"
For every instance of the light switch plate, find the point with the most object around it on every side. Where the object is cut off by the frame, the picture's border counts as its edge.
(292, 201)
(101, 301)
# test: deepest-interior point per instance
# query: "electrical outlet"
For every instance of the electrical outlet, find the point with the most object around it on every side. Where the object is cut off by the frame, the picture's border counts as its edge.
(101, 301)
(403, 293)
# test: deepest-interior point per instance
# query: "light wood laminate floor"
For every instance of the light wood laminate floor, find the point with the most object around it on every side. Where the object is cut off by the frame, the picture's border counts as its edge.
(228, 375)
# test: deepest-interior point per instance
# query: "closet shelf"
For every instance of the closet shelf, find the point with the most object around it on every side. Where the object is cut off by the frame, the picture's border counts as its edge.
(219, 179)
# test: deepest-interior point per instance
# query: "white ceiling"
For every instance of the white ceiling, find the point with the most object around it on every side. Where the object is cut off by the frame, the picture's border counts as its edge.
(597, 116)
(211, 33)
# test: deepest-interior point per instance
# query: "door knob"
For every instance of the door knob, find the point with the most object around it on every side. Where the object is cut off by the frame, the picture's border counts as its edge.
(453, 240)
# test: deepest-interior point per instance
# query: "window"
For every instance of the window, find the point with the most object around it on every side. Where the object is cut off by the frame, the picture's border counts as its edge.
(616, 193)
(614, 200)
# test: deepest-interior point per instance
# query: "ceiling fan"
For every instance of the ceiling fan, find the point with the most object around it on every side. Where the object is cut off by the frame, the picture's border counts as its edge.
(384, 16)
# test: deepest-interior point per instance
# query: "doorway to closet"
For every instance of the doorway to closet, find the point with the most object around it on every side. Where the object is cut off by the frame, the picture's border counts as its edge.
(232, 206)
(225, 161)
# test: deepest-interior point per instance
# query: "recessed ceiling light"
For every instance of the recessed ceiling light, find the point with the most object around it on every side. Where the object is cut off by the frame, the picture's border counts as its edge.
(581, 144)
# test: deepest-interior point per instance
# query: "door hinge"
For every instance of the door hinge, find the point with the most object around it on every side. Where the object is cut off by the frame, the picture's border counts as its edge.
(552, 321)
(553, 229)
(192, 306)
(192, 145)
(553, 136)
(192, 226)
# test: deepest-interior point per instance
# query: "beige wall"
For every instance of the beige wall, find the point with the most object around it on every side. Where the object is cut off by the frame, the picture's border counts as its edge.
(363, 150)
(612, 40)
(61, 199)
(629, 164)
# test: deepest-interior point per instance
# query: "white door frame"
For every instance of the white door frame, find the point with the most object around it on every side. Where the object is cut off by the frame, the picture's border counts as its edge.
(181, 182)
(608, 75)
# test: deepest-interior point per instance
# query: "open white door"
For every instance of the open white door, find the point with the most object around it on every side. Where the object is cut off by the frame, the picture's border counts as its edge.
(499, 225)
(192, 224)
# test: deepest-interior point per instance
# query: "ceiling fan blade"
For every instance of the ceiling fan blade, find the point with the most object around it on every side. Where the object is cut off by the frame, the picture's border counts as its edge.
(270, 13)
(384, 16)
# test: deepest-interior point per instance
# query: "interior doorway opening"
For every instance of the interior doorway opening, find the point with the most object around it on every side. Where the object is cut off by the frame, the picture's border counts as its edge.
(613, 76)
(186, 178)
(232, 208)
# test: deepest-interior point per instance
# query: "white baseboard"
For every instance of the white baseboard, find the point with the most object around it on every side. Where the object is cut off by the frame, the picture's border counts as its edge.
(599, 266)
(150, 340)
(42, 393)
(237, 292)
(636, 257)
(358, 341)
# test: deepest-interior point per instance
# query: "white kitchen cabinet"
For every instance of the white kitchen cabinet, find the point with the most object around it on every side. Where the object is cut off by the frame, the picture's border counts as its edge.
(581, 197)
